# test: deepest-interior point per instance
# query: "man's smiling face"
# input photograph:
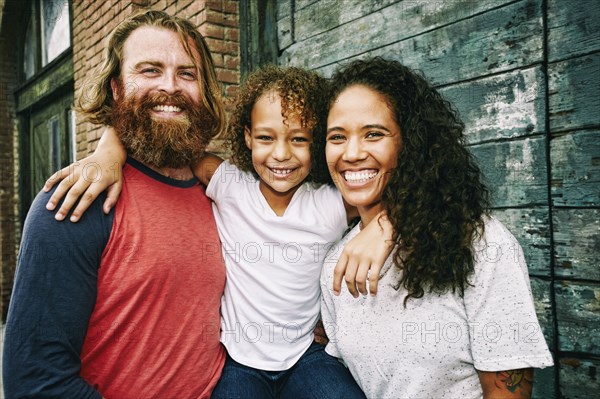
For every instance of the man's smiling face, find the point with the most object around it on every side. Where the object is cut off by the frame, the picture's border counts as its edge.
(158, 111)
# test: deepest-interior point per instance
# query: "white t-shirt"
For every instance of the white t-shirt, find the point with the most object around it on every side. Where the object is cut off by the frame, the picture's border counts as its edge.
(271, 301)
(432, 348)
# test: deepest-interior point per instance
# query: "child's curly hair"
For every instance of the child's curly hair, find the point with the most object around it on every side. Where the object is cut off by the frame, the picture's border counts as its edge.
(303, 95)
(435, 198)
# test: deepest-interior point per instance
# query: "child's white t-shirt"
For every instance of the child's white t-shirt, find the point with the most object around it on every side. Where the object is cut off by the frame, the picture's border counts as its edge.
(434, 347)
(271, 301)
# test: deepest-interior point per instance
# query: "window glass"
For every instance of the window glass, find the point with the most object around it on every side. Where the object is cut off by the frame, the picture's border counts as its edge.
(29, 51)
(56, 36)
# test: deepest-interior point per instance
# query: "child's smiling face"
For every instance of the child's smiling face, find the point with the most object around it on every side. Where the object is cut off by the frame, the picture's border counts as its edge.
(280, 151)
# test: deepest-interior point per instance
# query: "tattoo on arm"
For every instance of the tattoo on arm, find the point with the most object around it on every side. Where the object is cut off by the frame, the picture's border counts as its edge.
(515, 381)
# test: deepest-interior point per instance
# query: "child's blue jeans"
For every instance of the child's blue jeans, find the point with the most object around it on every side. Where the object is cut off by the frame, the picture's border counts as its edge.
(316, 375)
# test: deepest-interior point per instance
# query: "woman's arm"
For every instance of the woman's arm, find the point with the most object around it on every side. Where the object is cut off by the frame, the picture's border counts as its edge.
(364, 256)
(509, 384)
(89, 177)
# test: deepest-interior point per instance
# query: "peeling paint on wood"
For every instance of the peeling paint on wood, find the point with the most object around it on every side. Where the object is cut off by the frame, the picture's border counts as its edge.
(284, 33)
(575, 160)
(530, 226)
(573, 28)
(543, 307)
(284, 9)
(577, 243)
(578, 316)
(501, 106)
(329, 14)
(543, 386)
(459, 51)
(515, 171)
(579, 378)
(574, 93)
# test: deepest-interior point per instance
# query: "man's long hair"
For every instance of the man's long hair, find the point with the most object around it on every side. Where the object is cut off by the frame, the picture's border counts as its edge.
(95, 97)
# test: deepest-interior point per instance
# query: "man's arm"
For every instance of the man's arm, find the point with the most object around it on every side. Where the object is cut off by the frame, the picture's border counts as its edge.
(53, 297)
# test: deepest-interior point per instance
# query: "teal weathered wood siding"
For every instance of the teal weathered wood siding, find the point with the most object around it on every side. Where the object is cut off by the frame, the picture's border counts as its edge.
(525, 77)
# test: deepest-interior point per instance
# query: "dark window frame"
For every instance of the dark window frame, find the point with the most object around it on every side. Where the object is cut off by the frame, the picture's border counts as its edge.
(258, 35)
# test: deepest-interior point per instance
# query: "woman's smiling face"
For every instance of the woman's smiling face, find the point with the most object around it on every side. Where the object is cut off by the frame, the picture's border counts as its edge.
(363, 141)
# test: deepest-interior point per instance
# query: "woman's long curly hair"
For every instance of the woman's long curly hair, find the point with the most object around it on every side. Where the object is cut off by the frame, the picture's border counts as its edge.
(303, 95)
(435, 198)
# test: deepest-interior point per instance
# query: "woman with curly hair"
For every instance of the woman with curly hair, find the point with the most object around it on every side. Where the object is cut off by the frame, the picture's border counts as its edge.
(454, 315)
(276, 220)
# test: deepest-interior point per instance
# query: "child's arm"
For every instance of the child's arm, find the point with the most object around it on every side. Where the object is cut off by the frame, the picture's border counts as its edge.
(205, 168)
(102, 171)
(89, 177)
(363, 257)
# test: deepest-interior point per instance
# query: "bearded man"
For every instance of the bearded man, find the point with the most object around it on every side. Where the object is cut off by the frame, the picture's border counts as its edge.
(126, 305)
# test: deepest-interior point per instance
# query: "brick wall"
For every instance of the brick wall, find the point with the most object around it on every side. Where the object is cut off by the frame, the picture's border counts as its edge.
(94, 20)
(9, 205)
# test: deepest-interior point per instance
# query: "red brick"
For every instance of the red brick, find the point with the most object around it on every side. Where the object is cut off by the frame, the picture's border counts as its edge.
(232, 34)
(232, 62)
(214, 31)
(228, 76)
(220, 18)
(220, 46)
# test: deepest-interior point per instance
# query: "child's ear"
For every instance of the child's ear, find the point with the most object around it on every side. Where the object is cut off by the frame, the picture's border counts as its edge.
(248, 137)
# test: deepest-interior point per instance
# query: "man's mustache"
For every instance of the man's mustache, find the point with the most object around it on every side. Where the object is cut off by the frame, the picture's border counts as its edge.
(152, 100)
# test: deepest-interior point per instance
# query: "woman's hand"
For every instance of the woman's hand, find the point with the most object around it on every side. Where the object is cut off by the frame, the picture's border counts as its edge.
(363, 257)
(86, 179)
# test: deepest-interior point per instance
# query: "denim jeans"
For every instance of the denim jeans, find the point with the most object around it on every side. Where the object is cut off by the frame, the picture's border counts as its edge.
(316, 375)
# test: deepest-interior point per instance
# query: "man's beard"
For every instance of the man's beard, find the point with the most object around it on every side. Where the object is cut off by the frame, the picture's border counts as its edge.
(158, 142)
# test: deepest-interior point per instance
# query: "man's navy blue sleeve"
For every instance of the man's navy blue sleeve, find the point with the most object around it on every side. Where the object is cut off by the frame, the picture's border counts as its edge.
(53, 297)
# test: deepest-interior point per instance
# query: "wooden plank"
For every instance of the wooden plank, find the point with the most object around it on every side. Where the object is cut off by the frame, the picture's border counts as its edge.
(543, 383)
(576, 243)
(540, 290)
(574, 93)
(578, 378)
(325, 15)
(284, 9)
(285, 20)
(544, 378)
(497, 40)
(284, 33)
(530, 226)
(501, 106)
(300, 4)
(573, 28)
(578, 316)
(575, 160)
(60, 74)
(515, 171)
